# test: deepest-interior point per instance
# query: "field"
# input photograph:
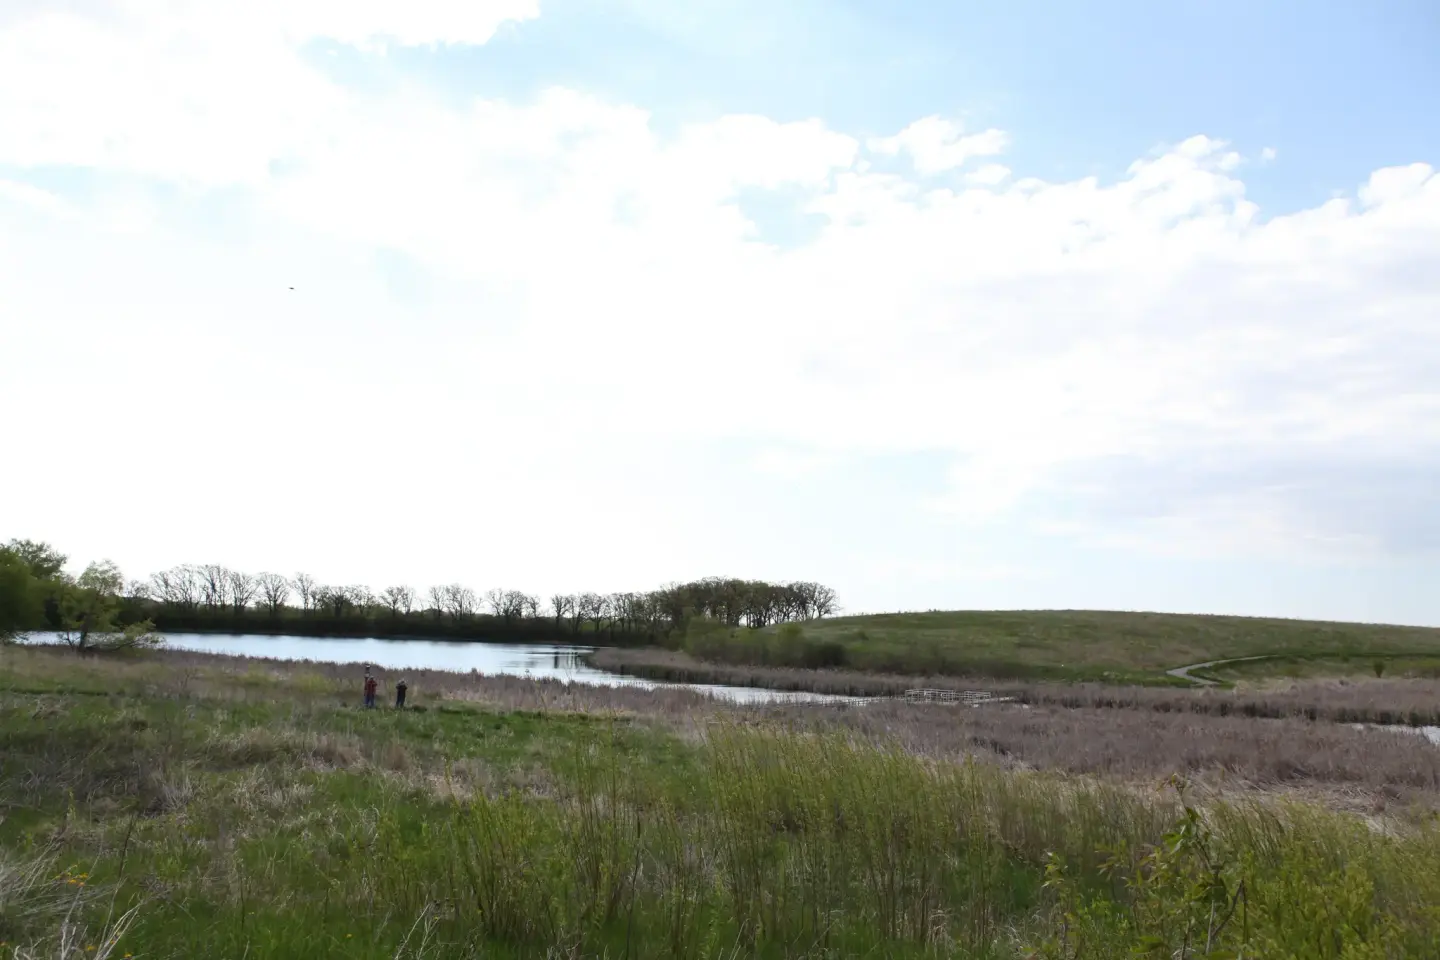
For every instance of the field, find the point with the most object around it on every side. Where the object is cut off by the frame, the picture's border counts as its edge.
(179, 805)
(1059, 645)
(1288, 667)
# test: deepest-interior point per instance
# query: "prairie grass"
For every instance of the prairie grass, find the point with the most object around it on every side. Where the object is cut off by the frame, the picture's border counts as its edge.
(1358, 668)
(1379, 769)
(1409, 701)
(206, 816)
(1036, 645)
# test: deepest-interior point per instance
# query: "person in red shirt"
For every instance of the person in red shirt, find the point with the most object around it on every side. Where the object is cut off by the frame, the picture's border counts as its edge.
(370, 687)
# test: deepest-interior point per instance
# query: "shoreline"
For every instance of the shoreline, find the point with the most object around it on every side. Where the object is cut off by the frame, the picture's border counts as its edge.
(1380, 702)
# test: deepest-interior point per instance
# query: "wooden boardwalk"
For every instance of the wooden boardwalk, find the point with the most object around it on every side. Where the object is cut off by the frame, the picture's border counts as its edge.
(969, 698)
(966, 698)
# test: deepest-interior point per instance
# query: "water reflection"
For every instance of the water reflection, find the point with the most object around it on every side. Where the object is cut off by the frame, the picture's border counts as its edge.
(538, 661)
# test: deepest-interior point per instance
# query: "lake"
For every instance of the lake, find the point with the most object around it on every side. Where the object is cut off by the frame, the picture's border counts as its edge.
(540, 661)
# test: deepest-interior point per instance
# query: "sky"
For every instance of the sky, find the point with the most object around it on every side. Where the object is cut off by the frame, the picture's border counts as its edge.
(1115, 305)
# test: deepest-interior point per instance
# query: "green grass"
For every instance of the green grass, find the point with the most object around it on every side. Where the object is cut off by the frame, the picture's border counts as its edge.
(1050, 644)
(1291, 667)
(218, 814)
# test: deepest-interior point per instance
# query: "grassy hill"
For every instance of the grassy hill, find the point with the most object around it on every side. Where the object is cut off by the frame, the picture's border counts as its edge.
(1053, 644)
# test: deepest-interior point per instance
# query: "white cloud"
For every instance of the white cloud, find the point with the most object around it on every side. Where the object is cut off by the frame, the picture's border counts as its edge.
(992, 174)
(792, 464)
(935, 144)
(28, 196)
(204, 91)
(591, 299)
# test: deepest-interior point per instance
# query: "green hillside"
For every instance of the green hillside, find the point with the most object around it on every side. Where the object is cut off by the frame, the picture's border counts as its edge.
(1060, 644)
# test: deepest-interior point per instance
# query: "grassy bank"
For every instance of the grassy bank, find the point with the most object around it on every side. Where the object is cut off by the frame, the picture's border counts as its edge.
(678, 666)
(1291, 667)
(178, 805)
(1400, 700)
(1060, 645)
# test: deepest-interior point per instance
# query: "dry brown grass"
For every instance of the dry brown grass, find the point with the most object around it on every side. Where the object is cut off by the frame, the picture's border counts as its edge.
(181, 673)
(1262, 738)
(1383, 765)
(1412, 702)
(1415, 702)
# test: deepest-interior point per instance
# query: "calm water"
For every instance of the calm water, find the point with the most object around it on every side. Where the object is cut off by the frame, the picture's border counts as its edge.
(539, 661)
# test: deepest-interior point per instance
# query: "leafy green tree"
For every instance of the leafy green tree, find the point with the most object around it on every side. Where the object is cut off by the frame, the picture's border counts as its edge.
(21, 599)
(90, 613)
(44, 561)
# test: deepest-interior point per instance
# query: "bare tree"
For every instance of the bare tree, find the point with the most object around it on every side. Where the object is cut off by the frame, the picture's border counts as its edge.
(622, 607)
(561, 603)
(529, 605)
(138, 590)
(178, 587)
(306, 588)
(166, 588)
(398, 599)
(243, 589)
(332, 600)
(818, 600)
(439, 601)
(214, 585)
(274, 591)
(511, 605)
(460, 601)
(595, 609)
(361, 596)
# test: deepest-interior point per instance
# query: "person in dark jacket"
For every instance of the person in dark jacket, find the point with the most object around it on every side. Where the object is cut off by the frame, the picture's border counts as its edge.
(400, 689)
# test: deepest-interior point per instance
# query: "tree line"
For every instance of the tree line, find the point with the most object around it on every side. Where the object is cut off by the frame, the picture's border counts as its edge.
(200, 597)
(198, 591)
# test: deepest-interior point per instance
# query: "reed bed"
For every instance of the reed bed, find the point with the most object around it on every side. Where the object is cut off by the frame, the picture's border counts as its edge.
(1136, 746)
(773, 844)
(1414, 702)
(1132, 734)
(182, 806)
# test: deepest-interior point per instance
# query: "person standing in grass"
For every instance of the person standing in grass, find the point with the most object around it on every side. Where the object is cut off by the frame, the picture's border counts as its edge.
(400, 694)
(370, 687)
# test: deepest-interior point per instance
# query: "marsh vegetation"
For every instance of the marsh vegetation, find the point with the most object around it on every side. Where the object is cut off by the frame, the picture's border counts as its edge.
(170, 804)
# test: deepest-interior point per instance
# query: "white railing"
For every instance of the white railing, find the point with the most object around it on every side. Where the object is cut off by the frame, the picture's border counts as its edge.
(971, 698)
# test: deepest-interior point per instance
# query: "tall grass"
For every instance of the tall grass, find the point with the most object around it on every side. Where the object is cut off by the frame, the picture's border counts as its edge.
(781, 845)
(790, 846)
(1407, 701)
(234, 826)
